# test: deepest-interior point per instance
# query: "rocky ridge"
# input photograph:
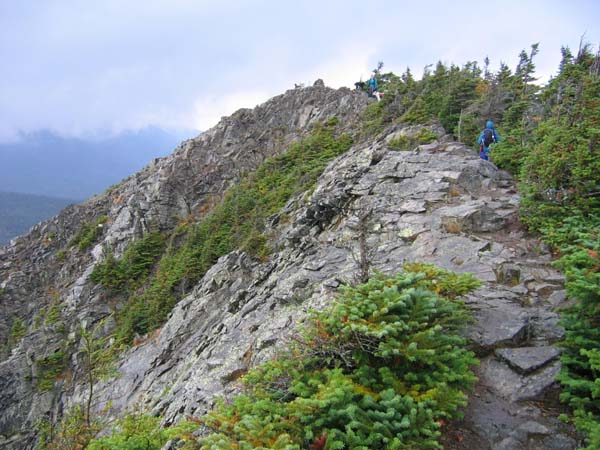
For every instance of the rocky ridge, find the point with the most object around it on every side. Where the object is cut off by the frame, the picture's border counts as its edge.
(44, 281)
(435, 203)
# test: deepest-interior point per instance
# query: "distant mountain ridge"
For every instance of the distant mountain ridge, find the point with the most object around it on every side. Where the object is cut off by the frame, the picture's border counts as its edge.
(45, 163)
(19, 212)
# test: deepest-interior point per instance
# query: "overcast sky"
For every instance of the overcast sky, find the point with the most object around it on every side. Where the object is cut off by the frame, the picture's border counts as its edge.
(81, 67)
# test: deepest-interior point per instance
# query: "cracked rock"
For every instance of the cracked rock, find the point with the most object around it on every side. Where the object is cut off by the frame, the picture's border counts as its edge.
(528, 359)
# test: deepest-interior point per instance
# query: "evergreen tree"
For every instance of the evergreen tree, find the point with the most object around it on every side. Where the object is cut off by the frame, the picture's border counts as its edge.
(435, 89)
(518, 118)
(563, 167)
(461, 93)
(380, 370)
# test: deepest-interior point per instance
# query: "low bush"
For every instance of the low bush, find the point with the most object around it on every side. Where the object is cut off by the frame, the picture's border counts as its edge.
(577, 239)
(127, 273)
(143, 432)
(17, 330)
(88, 234)
(381, 369)
(49, 370)
(423, 136)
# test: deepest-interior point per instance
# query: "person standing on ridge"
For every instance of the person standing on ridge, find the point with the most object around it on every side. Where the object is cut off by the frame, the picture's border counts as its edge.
(487, 137)
(372, 85)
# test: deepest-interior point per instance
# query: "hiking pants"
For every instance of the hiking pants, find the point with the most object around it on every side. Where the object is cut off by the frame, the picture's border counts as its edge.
(484, 152)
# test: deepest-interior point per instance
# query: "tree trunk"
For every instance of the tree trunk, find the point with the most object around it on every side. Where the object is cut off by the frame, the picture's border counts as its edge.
(460, 118)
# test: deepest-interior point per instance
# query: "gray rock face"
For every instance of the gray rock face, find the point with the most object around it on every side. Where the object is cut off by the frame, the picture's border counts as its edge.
(438, 203)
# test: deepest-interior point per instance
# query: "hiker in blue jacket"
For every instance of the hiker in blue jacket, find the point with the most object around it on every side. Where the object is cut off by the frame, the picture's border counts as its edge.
(372, 85)
(487, 137)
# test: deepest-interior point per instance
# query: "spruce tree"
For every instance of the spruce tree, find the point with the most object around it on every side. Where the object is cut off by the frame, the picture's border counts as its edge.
(380, 370)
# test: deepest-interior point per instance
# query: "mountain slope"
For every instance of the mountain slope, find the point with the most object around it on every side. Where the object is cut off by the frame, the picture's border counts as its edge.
(438, 204)
(19, 212)
(45, 280)
(435, 203)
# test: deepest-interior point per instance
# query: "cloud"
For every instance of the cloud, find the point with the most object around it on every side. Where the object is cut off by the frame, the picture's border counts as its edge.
(209, 109)
(352, 61)
(80, 66)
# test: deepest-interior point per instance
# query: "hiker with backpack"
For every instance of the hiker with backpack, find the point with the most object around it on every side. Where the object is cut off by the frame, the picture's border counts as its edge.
(360, 85)
(487, 137)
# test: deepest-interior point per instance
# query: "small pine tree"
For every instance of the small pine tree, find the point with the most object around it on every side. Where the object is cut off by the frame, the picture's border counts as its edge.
(381, 369)
(97, 357)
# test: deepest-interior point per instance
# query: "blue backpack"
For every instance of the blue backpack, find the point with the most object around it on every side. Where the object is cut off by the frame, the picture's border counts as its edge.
(488, 137)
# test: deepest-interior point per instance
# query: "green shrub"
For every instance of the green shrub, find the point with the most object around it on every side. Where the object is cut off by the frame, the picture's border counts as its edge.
(61, 255)
(566, 155)
(445, 283)
(17, 330)
(556, 157)
(468, 130)
(423, 136)
(578, 241)
(53, 314)
(374, 119)
(126, 274)
(508, 155)
(88, 234)
(400, 143)
(381, 369)
(49, 369)
(417, 113)
(143, 432)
